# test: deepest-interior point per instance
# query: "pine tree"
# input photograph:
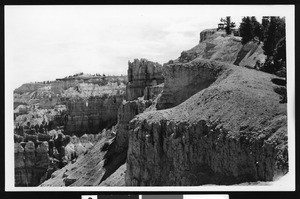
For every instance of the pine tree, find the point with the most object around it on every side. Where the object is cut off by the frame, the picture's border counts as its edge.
(264, 25)
(246, 30)
(228, 24)
(280, 55)
(274, 45)
(275, 32)
(256, 28)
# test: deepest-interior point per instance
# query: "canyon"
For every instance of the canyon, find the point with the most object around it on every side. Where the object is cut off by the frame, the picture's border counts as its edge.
(208, 117)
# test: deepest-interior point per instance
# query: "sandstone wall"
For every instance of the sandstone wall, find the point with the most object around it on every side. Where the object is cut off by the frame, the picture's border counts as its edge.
(152, 92)
(127, 111)
(184, 80)
(31, 163)
(144, 80)
(206, 33)
(142, 73)
(216, 45)
(233, 131)
(36, 158)
(93, 114)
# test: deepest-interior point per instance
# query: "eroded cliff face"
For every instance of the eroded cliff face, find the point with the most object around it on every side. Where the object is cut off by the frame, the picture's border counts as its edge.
(93, 114)
(104, 164)
(141, 74)
(31, 164)
(144, 84)
(91, 103)
(184, 80)
(127, 111)
(233, 130)
(37, 157)
(206, 33)
(216, 45)
(93, 167)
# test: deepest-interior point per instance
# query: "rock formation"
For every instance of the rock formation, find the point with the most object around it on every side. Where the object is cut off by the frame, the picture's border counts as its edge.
(141, 74)
(144, 84)
(36, 159)
(184, 80)
(92, 168)
(92, 115)
(127, 111)
(206, 33)
(216, 45)
(85, 104)
(232, 129)
(200, 119)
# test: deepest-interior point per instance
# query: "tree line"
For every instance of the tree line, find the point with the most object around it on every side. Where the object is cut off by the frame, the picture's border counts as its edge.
(271, 31)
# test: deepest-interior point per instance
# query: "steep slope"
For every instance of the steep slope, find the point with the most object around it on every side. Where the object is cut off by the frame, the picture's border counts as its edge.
(92, 168)
(104, 164)
(144, 84)
(232, 129)
(216, 45)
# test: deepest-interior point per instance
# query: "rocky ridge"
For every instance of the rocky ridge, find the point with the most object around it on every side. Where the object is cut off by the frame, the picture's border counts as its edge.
(233, 130)
(216, 45)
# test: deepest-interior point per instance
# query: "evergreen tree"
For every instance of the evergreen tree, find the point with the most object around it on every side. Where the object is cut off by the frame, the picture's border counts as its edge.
(256, 28)
(275, 46)
(228, 24)
(275, 32)
(280, 55)
(264, 25)
(246, 30)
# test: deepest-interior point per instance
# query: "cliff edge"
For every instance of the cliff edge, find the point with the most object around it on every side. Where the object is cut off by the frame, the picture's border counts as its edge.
(216, 45)
(231, 129)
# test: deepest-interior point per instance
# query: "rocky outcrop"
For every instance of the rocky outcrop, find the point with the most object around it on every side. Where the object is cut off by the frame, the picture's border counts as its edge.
(144, 83)
(35, 116)
(184, 80)
(141, 74)
(232, 130)
(94, 167)
(31, 164)
(35, 161)
(152, 92)
(216, 45)
(90, 105)
(127, 111)
(93, 114)
(206, 33)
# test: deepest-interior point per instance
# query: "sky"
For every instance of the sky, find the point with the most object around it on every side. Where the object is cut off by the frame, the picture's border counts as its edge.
(49, 42)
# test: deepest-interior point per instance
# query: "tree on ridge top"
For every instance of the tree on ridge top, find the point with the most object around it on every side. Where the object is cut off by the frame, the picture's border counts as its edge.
(228, 24)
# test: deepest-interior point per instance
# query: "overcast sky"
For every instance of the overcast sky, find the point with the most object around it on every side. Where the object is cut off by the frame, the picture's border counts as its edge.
(48, 42)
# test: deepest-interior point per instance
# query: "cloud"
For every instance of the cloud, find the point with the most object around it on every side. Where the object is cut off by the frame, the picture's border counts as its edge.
(52, 41)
